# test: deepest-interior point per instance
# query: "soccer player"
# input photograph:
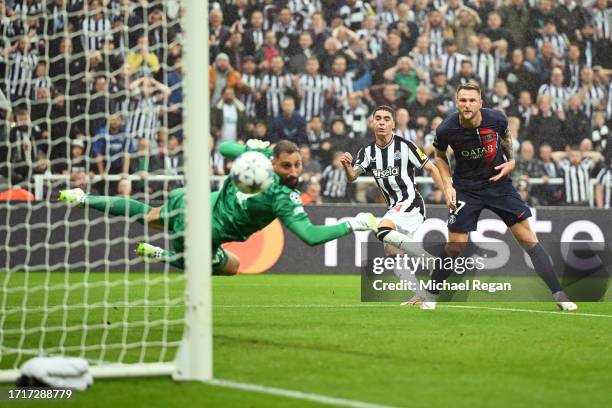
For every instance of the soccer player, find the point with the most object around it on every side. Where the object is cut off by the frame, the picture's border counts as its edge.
(482, 146)
(235, 216)
(392, 161)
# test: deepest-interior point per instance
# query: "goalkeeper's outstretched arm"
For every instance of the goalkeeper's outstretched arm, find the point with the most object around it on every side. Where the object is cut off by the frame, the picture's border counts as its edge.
(319, 234)
(231, 150)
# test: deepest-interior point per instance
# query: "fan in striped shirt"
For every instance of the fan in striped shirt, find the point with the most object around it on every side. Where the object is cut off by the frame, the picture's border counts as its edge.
(22, 63)
(313, 88)
(576, 174)
(559, 93)
(97, 28)
(603, 188)
(392, 161)
(251, 81)
(341, 83)
(145, 106)
(334, 182)
(450, 60)
(558, 41)
(275, 85)
(592, 94)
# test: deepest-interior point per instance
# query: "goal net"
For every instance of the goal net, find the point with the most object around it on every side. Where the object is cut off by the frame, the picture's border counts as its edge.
(111, 97)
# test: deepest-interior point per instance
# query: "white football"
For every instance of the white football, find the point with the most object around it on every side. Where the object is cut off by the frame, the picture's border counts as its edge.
(252, 172)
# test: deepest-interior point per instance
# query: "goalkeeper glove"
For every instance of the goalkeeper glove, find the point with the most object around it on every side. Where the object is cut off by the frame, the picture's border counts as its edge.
(362, 222)
(260, 146)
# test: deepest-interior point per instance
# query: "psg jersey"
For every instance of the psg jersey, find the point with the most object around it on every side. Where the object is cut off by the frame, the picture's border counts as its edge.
(477, 150)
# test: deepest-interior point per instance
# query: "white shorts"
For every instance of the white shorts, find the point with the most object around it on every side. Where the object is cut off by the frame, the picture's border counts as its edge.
(406, 222)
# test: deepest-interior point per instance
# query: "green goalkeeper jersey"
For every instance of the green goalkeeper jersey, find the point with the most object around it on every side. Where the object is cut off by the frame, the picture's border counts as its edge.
(236, 216)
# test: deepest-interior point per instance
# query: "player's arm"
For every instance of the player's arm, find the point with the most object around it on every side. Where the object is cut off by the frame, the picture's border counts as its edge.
(352, 172)
(435, 175)
(443, 168)
(313, 235)
(231, 150)
(508, 167)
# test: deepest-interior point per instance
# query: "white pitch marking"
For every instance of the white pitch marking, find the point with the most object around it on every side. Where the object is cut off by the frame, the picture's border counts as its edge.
(387, 305)
(304, 396)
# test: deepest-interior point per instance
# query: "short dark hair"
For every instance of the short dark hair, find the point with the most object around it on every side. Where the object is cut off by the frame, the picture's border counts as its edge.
(284, 146)
(385, 108)
(469, 86)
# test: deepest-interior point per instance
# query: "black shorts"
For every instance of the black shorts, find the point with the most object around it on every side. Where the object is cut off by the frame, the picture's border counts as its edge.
(501, 198)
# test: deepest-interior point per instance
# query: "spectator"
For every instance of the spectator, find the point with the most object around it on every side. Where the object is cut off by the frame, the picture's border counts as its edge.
(515, 18)
(334, 184)
(355, 115)
(576, 125)
(173, 161)
(559, 93)
(573, 68)
(313, 90)
(112, 148)
(423, 109)
(218, 32)
(222, 75)
(97, 27)
(289, 125)
(442, 94)
(570, 17)
(500, 98)
(341, 84)
(267, 51)
(402, 118)
(392, 52)
(600, 133)
(548, 194)
(228, 118)
(525, 111)
(261, 130)
(298, 62)
(146, 163)
(275, 86)
(311, 168)
(175, 100)
(79, 167)
(317, 136)
(253, 37)
(496, 32)
(591, 94)
(465, 75)
(312, 195)
(526, 165)
(485, 66)
(146, 106)
(603, 188)
(518, 76)
(22, 60)
(235, 50)
(576, 174)
(405, 75)
(465, 25)
(387, 94)
(545, 126)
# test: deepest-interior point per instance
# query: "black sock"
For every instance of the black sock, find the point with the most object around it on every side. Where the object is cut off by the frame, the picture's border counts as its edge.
(544, 268)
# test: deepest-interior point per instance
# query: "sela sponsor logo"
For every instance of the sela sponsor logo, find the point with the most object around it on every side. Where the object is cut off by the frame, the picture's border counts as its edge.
(477, 152)
(388, 172)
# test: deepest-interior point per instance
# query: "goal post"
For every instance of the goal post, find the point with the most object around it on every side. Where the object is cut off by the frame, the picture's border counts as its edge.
(70, 283)
(194, 359)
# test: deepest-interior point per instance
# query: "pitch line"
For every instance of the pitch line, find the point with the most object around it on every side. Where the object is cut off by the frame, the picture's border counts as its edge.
(299, 395)
(387, 305)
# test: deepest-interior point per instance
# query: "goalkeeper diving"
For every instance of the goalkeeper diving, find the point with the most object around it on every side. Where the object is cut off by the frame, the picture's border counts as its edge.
(235, 215)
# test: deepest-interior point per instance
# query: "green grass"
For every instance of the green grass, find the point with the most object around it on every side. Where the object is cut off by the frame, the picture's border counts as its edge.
(266, 333)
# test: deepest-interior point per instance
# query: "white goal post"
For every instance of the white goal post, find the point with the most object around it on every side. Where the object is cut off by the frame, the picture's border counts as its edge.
(92, 308)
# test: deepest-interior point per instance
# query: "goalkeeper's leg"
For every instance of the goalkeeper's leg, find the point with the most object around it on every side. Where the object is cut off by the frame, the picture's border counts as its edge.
(114, 205)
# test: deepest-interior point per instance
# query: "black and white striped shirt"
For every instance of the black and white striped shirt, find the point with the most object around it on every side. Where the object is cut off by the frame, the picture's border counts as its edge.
(24, 9)
(558, 42)
(375, 40)
(574, 75)
(393, 168)
(485, 69)
(559, 95)
(342, 85)
(436, 41)
(609, 104)
(278, 85)
(96, 32)
(253, 82)
(576, 181)
(354, 16)
(21, 68)
(601, 23)
(37, 84)
(356, 120)
(593, 99)
(451, 64)
(313, 99)
(334, 182)
(604, 178)
(387, 17)
(143, 118)
(315, 140)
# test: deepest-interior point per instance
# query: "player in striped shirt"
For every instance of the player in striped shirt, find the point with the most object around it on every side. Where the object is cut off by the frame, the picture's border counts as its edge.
(392, 160)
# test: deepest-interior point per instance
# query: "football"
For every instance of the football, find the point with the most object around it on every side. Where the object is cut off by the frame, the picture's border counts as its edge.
(252, 172)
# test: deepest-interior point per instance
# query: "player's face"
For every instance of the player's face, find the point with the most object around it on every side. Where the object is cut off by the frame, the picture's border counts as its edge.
(383, 123)
(288, 166)
(468, 103)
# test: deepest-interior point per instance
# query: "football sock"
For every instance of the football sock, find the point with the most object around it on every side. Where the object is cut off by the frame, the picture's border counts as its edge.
(409, 275)
(119, 206)
(440, 273)
(174, 259)
(404, 242)
(544, 268)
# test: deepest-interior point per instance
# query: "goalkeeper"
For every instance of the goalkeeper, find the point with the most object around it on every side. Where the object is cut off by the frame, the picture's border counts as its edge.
(235, 215)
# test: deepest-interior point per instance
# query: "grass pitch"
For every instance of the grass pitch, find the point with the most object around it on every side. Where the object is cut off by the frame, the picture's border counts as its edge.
(311, 334)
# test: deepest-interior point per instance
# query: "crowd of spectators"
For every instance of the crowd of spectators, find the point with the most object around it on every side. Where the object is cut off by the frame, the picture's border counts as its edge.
(311, 71)
(95, 86)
